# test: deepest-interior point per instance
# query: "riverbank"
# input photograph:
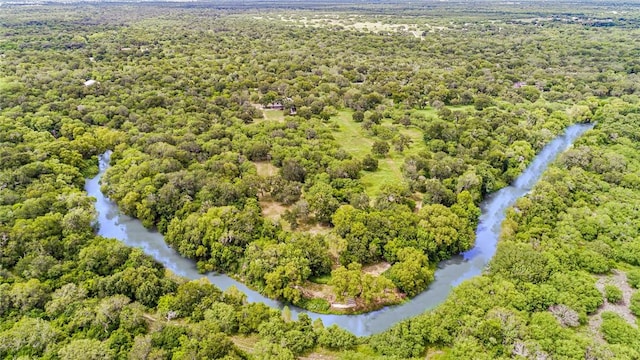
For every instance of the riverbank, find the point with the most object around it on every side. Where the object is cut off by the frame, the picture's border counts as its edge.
(448, 274)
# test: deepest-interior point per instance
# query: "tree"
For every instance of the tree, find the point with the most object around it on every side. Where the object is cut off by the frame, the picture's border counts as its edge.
(28, 334)
(411, 274)
(29, 295)
(335, 338)
(210, 346)
(482, 101)
(347, 282)
(266, 350)
(64, 299)
(520, 262)
(439, 231)
(400, 142)
(292, 170)
(85, 349)
(380, 148)
(369, 163)
(351, 282)
(358, 116)
(321, 201)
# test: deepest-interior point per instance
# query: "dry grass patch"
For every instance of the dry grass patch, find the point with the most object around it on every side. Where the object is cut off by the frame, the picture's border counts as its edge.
(245, 343)
(320, 355)
(376, 269)
(272, 210)
(265, 168)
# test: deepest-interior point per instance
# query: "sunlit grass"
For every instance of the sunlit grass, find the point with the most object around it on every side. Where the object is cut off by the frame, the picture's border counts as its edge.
(273, 115)
(350, 135)
(357, 142)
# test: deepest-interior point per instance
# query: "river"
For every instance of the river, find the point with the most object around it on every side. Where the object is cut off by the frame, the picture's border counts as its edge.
(450, 273)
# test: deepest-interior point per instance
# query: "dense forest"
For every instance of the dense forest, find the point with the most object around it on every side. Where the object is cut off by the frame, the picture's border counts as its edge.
(329, 158)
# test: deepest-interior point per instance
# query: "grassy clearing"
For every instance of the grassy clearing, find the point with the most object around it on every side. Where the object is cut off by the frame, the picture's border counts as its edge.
(321, 354)
(388, 173)
(265, 168)
(272, 210)
(350, 135)
(353, 139)
(268, 114)
(246, 343)
(273, 115)
(323, 280)
(429, 112)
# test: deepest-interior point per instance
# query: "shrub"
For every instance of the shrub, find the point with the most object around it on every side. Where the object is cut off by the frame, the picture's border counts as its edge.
(336, 338)
(617, 331)
(634, 305)
(613, 294)
(633, 278)
(369, 163)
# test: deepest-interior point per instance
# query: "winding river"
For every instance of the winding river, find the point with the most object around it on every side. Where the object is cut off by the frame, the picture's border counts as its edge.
(450, 273)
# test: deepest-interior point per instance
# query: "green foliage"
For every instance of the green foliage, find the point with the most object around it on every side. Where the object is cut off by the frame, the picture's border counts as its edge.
(316, 305)
(403, 340)
(613, 294)
(266, 350)
(520, 262)
(336, 338)
(380, 148)
(191, 299)
(630, 253)
(369, 163)
(351, 282)
(617, 331)
(85, 349)
(29, 336)
(633, 277)
(634, 304)
(462, 122)
(411, 274)
(322, 202)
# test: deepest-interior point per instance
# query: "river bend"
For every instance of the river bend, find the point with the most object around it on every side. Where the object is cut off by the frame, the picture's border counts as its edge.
(450, 273)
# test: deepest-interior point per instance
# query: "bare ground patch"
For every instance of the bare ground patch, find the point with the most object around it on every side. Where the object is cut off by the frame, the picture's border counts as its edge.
(314, 229)
(619, 279)
(321, 291)
(312, 290)
(271, 209)
(318, 356)
(245, 343)
(376, 269)
(265, 168)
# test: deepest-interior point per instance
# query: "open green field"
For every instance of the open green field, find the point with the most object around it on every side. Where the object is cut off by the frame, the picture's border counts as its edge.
(273, 115)
(357, 142)
(431, 112)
